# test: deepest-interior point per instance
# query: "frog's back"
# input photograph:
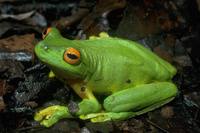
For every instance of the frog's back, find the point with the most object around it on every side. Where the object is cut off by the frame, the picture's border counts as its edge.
(157, 67)
(123, 61)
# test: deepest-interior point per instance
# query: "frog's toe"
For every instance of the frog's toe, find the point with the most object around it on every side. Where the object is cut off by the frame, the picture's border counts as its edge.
(101, 118)
(38, 117)
(96, 117)
(88, 116)
(43, 114)
(49, 122)
(108, 116)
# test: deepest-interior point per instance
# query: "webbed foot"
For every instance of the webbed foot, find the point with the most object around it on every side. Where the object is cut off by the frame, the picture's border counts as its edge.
(49, 116)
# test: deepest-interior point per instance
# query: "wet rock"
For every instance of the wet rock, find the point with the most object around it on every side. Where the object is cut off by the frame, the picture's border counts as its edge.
(31, 104)
(63, 126)
(178, 48)
(131, 125)
(85, 130)
(104, 127)
(11, 70)
(192, 99)
(18, 56)
(149, 18)
(73, 107)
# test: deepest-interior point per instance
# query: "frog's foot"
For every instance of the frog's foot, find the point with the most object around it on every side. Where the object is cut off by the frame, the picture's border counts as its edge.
(49, 116)
(101, 35)
(107, 116)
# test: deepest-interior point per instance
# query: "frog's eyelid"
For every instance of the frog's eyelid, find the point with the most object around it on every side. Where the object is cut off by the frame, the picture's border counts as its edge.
(46, 32)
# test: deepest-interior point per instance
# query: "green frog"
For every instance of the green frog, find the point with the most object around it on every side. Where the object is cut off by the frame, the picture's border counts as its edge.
(132, 79)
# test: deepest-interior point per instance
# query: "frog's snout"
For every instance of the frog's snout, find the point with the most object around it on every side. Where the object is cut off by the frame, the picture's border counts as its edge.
(40, 47)
(45, 47)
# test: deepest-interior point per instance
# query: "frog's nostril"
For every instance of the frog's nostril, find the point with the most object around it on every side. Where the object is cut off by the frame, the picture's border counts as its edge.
(46, 47)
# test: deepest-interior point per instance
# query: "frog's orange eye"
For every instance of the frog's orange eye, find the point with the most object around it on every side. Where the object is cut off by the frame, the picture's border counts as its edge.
(46, 32)
(72, 56)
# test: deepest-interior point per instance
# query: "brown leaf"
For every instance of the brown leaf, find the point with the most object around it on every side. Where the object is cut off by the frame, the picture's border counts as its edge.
(163, 53)
(18, 17)
(31, 18)
(68, 21)
(143, 19)
(96, 21)
(18, 43)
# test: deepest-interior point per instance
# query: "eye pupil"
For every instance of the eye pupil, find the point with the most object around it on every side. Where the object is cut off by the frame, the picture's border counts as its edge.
(72, 56)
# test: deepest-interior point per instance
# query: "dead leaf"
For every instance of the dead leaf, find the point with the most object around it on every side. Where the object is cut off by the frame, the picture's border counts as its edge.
(163, 53)
(97, 21)
(12, 70)
(18, 43)
(31, 18)
(18, 17)
(36, 19)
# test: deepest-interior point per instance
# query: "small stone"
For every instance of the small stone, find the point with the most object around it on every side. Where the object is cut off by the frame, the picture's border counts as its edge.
(85, 130)
(73, 107)
(167, 112)
(31, 104)
(183, 60)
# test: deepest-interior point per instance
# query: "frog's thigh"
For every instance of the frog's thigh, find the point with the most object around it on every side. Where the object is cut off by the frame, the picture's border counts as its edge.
(143, 97)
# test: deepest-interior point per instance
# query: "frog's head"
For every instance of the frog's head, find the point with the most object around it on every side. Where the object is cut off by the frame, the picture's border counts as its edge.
(63, 56)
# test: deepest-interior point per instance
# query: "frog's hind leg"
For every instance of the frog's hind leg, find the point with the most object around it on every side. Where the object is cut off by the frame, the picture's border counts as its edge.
(134, 101)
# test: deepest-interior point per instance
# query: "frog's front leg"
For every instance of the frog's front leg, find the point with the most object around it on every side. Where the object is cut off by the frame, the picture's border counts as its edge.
(89, 104)
(134, 101)
(52, 114)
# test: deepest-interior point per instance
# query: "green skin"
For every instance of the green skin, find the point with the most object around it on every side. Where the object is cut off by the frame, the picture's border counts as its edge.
(133, 79)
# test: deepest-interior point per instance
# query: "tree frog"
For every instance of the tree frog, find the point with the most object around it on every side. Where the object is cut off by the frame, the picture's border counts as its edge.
(131, 79)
